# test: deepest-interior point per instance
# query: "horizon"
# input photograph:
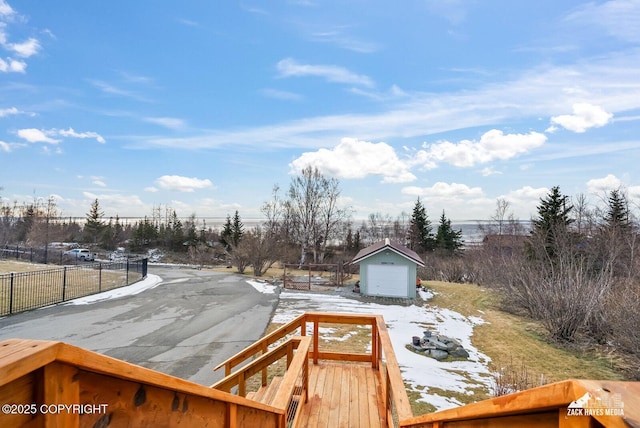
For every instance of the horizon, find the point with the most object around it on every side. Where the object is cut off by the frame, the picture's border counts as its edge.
(204, 107)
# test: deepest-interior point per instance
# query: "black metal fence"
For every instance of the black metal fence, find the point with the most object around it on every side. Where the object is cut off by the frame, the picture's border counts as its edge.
(43, 255)
(23, 291)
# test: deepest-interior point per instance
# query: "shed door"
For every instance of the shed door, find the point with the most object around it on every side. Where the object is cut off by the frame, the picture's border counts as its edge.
(387, 280)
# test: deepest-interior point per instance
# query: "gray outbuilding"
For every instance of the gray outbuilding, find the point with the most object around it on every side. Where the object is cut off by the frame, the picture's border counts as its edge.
(388, 269)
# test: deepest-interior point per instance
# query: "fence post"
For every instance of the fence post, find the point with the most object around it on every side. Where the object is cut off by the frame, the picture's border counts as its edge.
(11, 293)
(127, 275)
(99, 277)
(64, 282)
(17, 252)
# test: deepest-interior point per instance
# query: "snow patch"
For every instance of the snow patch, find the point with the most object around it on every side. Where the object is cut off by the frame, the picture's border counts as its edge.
(151, 281)
(419, 372)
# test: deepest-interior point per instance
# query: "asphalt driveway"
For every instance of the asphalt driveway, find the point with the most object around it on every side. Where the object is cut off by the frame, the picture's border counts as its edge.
(185, 326)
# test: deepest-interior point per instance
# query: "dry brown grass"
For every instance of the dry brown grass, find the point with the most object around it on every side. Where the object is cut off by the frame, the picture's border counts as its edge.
(506, 337)
(8, 266)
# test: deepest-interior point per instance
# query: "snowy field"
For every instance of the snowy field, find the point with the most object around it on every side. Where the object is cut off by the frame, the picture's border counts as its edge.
(424, 375)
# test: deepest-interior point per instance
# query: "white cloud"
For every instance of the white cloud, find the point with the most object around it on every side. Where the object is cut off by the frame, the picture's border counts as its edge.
(609, 80)
(584, 116)
(444, 190)
(33, 135)
(151, 189)
(71, 133)
(604, 184)
(25, 49)
(5, 10)
(4, 147)
(114, 202)
(493, 144)
(619, 18)
(337, 37)
(353, 158)
(526, 198)
(489, 171)
(12, 65)
(167, 122)
(182, 184)
(9, 111)
(46, 136)
(280, 95)
(288, 67)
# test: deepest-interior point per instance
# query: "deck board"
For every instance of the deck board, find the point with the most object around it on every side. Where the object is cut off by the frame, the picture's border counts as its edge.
(342, 395)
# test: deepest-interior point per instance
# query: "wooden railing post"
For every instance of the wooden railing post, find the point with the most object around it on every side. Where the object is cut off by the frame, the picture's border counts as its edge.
(374, 343)
(265, 348)
(316, 334)
(60, 387)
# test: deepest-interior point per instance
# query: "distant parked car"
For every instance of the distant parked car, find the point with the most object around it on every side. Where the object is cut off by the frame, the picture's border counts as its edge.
(80, 254)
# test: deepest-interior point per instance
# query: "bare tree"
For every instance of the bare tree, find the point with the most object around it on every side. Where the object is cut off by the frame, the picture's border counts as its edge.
(313, 211)
(255, 249)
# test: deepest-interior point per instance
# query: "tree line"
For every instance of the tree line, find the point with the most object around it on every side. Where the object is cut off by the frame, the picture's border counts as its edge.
(306, 224)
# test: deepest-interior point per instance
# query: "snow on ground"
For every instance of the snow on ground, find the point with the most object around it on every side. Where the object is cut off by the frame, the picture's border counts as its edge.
(403, 322)
(151, 281)
(262, 286)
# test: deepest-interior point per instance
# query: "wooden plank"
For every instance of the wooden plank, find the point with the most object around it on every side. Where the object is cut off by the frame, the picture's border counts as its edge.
(18, 391)
(373, 397)
(312, 410)
(272, 390)
(333, 411)
(61, 386)
(345, 398)
(323, 416)
(354, 396)
(24, 356)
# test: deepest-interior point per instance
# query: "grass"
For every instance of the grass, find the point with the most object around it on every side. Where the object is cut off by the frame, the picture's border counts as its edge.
(509, 338)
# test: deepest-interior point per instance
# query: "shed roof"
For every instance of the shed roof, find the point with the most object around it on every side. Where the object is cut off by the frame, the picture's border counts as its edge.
(384, 245)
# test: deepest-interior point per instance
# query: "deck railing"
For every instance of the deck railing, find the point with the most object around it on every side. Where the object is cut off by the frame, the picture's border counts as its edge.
(567, 404)
(381, 355)
(294, 387)
(53, 384)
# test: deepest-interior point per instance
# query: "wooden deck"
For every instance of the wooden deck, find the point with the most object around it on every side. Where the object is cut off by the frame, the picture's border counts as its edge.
(343, 395)
(47, 384)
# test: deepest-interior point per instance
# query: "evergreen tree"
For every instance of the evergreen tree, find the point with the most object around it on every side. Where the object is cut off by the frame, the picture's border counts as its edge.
(232, 232)
(94, 224)
(554, 216)
(238, 229)
(357, 243)
(144, 234)
(420, 230)
(226, 234)
(448, 240)
(617, 215)
(176, 233)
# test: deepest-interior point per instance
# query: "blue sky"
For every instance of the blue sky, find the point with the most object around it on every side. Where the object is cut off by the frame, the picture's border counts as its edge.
(204, 106)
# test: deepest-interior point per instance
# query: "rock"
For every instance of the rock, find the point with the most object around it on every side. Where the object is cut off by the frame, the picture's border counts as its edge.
(438, 354)
(418, 348)
(427, 333)
(440, 345)
(460, 352)
(451, 346)
(416, 340)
